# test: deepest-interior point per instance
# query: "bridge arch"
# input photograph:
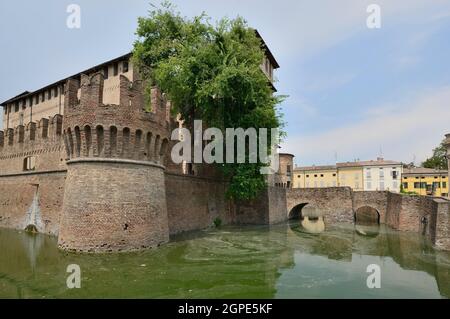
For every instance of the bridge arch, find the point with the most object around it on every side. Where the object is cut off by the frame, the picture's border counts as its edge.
(296, 211)
(367, 215)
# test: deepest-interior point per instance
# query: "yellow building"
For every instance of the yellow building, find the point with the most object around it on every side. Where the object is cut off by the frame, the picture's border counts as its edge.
(315, 176)
(351, 175)
(425, 181)
(375, 175)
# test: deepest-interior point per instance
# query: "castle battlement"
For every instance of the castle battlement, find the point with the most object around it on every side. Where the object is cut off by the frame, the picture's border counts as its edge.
(42, 135)
(126, 130)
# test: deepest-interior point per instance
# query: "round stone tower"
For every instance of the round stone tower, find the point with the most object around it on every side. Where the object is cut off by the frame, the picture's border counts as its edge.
(114, 197)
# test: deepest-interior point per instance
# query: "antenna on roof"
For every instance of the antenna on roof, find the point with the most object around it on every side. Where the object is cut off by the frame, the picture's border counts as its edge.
(335, 156)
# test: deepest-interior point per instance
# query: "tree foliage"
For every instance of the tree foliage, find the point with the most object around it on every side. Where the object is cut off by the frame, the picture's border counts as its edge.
(438, 160)
(210, 72)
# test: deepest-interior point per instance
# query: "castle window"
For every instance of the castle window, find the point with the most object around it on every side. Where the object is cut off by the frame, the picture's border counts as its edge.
(444, 184)
(29, 163)
(31, 101)
(77, 141)
(36, 99)
(125, 67)
(55, 92)
(24, 104)
(125, 141)
(113, 140)
(99, 133)
(106, 72)
(16, 107)
(88, 137)
(148, 142)
(405, 185)
(116, 69)
(42, 97)
(49, 94)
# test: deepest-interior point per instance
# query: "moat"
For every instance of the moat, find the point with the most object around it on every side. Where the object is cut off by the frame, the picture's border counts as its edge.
(282, 261)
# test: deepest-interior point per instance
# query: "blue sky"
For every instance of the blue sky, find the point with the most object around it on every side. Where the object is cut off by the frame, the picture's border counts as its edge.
(353, 92)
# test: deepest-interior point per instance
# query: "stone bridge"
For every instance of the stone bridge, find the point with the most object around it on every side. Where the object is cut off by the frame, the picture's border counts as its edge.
(429, 216)
(335, 204)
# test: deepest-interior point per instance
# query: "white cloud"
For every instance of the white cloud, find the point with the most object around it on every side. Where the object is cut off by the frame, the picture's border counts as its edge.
(305, 27)
(412, 127)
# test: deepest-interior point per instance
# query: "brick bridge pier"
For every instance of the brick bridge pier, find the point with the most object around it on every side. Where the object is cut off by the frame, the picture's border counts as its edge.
(426, 215)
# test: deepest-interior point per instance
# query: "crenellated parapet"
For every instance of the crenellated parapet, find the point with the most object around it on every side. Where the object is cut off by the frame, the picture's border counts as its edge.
(46, 134)
(38, 144)
(127, 130)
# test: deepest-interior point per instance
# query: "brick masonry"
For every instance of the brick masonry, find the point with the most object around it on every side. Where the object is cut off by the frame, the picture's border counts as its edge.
(102, 181)
(425, 215)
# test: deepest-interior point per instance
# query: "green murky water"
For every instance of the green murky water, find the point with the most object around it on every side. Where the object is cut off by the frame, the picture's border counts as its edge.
(234, 262)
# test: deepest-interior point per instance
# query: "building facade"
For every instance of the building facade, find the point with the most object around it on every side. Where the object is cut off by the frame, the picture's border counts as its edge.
(376, 175)
(315, 176)
(425, 181)
(350, 175)
(382, 175)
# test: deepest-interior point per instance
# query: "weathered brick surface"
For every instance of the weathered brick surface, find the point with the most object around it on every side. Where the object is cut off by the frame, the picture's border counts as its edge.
(17, 193)
(425, 215)
(114, 198)
(194, 202)
(374, 199)
(113, 207)
(335, 203)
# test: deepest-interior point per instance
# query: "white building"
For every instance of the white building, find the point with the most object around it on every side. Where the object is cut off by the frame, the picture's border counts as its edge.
(382, 175)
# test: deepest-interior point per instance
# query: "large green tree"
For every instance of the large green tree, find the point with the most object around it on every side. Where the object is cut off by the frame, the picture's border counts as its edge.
(210, 72)
(438, 160)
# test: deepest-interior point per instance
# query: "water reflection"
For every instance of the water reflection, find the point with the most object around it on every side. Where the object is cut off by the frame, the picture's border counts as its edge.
(301, 259)
(313, 225)
(367, 230)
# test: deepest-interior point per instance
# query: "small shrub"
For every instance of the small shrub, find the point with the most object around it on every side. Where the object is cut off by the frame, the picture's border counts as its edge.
(217, 222)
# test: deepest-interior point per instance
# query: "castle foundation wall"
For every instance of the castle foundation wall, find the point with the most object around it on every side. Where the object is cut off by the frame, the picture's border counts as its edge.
(113, 205)
(18, 193)
(194, 203)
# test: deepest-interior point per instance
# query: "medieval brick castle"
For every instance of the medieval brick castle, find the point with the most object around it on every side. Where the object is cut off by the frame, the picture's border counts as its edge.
(86, 159)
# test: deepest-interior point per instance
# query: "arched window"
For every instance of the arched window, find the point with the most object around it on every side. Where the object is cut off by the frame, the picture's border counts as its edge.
(113, 140)
(148, 142)
(126, 141)
(88, 137)
(137, 145)
(100, 140)
(70, 138)
(77, 141)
